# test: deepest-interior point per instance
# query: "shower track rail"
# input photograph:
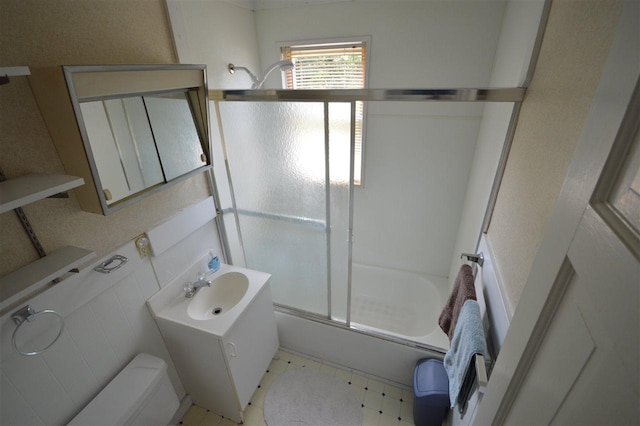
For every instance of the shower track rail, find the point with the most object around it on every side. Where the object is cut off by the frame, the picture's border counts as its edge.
(515, 94)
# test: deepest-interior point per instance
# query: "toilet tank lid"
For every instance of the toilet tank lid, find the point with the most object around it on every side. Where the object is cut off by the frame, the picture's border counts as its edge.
(120, 399)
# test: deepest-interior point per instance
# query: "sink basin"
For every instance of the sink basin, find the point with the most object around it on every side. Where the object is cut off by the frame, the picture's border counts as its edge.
(225, 293)
(214, 309)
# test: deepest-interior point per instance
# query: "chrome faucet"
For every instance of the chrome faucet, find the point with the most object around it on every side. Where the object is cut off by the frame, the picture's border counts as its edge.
(190, 289)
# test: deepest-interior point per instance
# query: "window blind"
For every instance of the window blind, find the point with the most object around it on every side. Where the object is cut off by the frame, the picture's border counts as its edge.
(331, 66)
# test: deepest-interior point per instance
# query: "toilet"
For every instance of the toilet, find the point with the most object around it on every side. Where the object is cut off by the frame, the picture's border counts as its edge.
(141, 394)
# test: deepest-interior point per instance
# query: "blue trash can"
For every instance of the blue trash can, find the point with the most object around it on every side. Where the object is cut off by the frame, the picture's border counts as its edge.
(431, 393)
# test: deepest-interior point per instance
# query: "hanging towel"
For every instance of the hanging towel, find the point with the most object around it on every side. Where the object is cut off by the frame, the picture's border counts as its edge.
(468, 340)
(463, 290)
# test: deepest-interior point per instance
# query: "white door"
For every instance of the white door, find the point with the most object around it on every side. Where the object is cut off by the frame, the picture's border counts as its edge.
(573, 357)
(586, 370)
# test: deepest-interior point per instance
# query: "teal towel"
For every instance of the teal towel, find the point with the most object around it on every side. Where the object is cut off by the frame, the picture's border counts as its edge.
(468, 340)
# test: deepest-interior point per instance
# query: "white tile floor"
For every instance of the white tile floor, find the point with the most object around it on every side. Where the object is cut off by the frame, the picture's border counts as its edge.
(382, 404)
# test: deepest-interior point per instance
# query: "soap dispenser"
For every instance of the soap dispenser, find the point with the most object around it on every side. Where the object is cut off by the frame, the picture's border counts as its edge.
(214, 262)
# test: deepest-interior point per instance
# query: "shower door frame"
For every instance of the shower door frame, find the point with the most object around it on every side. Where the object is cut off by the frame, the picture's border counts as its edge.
(513, 95)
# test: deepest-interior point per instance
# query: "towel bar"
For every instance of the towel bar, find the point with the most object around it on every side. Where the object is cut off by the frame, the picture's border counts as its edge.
(476, 258)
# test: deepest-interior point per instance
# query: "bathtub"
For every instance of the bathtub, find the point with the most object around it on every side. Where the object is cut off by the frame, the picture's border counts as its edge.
(398, 303)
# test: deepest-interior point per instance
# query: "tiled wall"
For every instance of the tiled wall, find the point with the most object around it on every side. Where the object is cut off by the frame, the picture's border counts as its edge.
(201, 237)
(106, 324)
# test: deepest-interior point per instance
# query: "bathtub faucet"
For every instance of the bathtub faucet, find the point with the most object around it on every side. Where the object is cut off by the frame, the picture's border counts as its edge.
(190, 289)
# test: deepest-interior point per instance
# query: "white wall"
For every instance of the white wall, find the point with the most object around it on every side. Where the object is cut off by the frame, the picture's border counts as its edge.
(517, 39)
(413, 44)
(107, 323)
(515, 47)
(416, 171)
(215, 33)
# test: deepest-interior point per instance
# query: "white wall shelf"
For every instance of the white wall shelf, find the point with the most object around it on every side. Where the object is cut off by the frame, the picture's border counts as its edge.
(17, 192)
(29, 279)
(6, 72)
(14, 71)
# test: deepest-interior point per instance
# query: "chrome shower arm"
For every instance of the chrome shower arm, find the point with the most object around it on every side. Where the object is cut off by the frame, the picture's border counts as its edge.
(232, 69)
(282, 65)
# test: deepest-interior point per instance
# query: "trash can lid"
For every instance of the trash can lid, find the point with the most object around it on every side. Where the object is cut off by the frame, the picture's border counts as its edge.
(430, 378)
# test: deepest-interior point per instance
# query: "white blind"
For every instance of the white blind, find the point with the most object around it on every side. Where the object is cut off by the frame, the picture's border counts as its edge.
(326, 66)
(331, 66)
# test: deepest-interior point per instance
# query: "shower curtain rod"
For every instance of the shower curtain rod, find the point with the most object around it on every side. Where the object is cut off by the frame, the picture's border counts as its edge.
(515, 94)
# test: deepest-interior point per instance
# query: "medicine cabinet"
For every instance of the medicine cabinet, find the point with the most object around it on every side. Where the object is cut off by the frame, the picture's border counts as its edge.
(127, 130)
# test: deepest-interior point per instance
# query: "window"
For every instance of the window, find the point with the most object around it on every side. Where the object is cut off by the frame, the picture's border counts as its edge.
(331, 65)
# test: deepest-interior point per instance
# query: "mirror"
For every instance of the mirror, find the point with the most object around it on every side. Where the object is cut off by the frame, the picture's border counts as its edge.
(127, 130)
(142, 141)
(177, 138)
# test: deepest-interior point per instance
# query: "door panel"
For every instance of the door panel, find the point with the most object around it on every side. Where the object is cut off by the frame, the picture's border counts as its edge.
(567, 347)
(612, 285)
(608, 294)
(586, 368)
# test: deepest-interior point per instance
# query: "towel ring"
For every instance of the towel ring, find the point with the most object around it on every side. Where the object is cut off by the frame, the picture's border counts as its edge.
(28, 314)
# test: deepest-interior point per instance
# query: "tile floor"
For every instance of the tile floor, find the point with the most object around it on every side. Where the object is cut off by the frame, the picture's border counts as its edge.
(382, 404)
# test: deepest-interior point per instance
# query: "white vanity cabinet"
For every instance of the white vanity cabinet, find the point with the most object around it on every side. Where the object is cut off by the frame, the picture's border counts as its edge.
(221, 373)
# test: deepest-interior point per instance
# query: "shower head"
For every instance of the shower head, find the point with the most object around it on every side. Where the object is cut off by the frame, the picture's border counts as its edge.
(257, 84)
(283, 65)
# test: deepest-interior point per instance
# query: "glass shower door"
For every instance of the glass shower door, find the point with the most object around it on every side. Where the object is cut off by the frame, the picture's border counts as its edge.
(275, 154)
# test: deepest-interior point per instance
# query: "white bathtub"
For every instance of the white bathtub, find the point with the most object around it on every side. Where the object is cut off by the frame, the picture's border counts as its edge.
(399, 303)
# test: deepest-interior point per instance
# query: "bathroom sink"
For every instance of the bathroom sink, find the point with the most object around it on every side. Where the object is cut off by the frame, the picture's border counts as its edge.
(213, 310)
(224, 293)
